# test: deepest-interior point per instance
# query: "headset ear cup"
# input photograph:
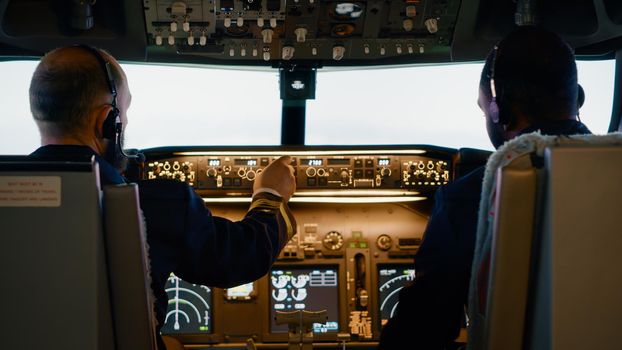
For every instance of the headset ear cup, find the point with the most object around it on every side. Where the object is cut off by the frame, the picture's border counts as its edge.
(493, 109)
(110, 125)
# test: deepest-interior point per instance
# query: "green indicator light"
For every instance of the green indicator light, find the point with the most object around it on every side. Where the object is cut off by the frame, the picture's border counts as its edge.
(203, 328)
(352, 244)
(363, 244)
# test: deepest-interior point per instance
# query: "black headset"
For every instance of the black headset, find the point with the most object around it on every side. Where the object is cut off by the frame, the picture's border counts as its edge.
(493, 108)
(112, 127)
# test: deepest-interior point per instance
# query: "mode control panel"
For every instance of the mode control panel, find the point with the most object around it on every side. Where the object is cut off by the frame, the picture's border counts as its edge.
(225, 172)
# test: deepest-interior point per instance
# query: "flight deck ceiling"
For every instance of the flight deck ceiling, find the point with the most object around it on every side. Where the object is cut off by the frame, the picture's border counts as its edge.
(311, 33)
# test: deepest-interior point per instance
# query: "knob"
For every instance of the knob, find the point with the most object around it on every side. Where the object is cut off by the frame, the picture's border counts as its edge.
(241, 172)
(311, 172)
(251, 175)
(167, 166)
(398, 49)
(338, 52)
(243, 52)
(171, 39)
(288, 53)
(432, 25)
(173, 26)
(185, 26)
(408, 24)
(191, 39)
(273, 22)
(240, 21)
(231, 52)
(411, 11)
(176, 166)
(321, 172)
(158, 40)
(344, 176)
(227, 22)
(267, 35)
(301, 34)
(212, 172)
(203, 40)
(260, 22)
(384, 242)
(385, 172)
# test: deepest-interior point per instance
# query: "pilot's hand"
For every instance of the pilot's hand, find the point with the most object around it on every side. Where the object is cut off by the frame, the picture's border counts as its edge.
(277, 176)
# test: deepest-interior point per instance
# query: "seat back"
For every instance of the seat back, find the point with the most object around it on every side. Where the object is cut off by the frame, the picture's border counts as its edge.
(128, 262)
(52, 256)
(538, 223)
(71, 284)
(578, 275)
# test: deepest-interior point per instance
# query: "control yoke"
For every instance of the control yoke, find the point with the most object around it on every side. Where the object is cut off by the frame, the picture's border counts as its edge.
(300, 324)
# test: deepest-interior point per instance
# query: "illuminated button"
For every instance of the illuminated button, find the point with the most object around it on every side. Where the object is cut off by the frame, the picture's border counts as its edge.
(237, 181)
(369, 163)
(358, 163)
(358, 173)
(264, 161)
(369, 173)
(408, 24)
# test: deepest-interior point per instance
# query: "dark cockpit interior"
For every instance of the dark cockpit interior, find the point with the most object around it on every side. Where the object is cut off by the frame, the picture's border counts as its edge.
(361, 210)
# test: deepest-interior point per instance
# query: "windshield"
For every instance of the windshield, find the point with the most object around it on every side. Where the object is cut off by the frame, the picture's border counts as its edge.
(205, 106)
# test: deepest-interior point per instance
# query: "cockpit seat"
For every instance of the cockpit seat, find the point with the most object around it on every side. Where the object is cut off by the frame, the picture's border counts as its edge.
(73, 278)
(546, 266)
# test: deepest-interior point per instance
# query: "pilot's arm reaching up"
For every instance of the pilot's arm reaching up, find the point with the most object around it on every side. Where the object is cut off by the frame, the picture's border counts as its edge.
(79, 97)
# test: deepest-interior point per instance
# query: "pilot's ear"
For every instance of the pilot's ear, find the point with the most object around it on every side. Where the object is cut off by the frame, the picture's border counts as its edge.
(100, 118)
(580, 96)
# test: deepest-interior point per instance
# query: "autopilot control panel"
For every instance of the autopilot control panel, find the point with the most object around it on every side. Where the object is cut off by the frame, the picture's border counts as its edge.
(361, 213)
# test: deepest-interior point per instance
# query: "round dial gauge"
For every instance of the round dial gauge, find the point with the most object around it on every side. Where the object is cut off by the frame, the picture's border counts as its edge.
(384, 242)
(333, 240)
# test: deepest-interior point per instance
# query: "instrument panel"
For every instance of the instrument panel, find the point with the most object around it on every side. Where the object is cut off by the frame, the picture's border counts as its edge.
(360, 212)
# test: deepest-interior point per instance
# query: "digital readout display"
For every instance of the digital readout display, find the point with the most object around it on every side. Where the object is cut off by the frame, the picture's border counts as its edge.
(384, 162)
(247, 162)
(315, 162)
(213, 162)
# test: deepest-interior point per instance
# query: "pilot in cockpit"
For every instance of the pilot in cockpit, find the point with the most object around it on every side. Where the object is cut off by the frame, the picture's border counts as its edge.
(528, 83)
(79, 97)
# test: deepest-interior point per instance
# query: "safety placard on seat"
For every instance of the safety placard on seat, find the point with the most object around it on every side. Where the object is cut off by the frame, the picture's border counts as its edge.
(30, 191)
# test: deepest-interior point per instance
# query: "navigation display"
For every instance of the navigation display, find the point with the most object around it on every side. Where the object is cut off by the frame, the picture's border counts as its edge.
(311, 289)
(189, 307)
(391, 279)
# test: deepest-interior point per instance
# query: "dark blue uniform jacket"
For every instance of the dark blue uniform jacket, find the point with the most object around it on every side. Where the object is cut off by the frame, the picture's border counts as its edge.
(431, 309)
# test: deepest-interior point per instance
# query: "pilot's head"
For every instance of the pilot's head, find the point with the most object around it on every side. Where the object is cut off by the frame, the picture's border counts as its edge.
(70, 98)
(535, 81)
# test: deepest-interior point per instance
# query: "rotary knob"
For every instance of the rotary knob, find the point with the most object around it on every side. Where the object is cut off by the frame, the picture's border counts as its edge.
(384, 242)
(333, 240)
(386, 172)
(212, 172)
(251, 175)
